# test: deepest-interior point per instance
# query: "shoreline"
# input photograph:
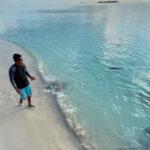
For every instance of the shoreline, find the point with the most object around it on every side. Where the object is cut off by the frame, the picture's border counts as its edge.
(75, 129)
(42, 128)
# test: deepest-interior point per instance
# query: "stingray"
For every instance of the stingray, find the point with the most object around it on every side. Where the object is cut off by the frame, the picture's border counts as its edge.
(58, 86)
(55, 86)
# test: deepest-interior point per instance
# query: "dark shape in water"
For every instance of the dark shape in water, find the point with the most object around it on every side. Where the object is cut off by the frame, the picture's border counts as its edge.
(96, 59)
(55, 86)
(58, 86)
(147, 131)
(111, 1)
(115, 68)
(144, 139)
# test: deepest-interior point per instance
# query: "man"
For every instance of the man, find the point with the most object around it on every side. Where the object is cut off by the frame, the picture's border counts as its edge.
(18, 75)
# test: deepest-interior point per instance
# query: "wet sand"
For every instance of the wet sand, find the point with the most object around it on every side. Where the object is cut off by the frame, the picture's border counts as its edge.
(22, 128)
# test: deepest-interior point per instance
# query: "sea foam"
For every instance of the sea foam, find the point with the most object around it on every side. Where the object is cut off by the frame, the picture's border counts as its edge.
(67, 110)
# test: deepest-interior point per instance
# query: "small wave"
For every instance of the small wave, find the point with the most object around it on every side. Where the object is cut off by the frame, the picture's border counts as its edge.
(143, 90)
(44, 73)
(61, 90)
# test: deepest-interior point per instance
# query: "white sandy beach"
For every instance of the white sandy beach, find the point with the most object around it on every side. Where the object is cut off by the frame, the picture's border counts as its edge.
(21, 128)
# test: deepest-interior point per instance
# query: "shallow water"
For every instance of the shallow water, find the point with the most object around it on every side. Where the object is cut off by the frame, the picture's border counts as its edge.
(102, 54)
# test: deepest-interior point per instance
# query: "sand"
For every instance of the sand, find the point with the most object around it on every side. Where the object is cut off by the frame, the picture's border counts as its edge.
(22, 128)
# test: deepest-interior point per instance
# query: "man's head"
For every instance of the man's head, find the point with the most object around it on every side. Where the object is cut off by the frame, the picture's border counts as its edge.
(17, 58)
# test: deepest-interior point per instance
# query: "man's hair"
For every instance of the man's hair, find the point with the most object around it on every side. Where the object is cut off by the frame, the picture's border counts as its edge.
(16, 57)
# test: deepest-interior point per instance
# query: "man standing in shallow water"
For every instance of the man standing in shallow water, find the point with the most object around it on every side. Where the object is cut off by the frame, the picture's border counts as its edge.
(18, 75)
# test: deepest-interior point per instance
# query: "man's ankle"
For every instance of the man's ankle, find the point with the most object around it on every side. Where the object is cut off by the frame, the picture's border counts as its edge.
(30, 105)
(21, 101)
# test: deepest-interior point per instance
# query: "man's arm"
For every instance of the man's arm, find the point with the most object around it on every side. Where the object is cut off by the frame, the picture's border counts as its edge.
(27, 73)
(11, 77)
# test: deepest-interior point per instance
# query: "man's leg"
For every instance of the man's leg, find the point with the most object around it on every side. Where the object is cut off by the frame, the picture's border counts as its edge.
(29, 102)
(22, 96)
(20, 102)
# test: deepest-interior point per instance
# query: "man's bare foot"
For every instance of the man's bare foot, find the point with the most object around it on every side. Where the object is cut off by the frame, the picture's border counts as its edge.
(20, 103)
(32, 106)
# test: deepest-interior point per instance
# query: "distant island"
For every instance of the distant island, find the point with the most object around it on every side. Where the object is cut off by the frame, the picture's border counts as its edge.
(111, 1)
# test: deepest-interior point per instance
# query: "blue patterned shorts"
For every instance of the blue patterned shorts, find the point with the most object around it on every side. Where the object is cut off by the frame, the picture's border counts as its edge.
(25, 92)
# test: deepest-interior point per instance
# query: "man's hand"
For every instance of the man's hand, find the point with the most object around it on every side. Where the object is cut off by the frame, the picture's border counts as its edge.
(17, 90)
(32, 78)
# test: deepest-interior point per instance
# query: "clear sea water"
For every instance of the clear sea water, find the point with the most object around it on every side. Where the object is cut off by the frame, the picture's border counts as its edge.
(102, 54)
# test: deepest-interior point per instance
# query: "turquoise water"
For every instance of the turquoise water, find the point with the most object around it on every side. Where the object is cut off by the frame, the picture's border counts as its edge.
(102, 52)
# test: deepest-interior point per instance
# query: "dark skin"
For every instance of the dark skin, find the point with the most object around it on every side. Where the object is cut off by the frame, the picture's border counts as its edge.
(20, 62)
